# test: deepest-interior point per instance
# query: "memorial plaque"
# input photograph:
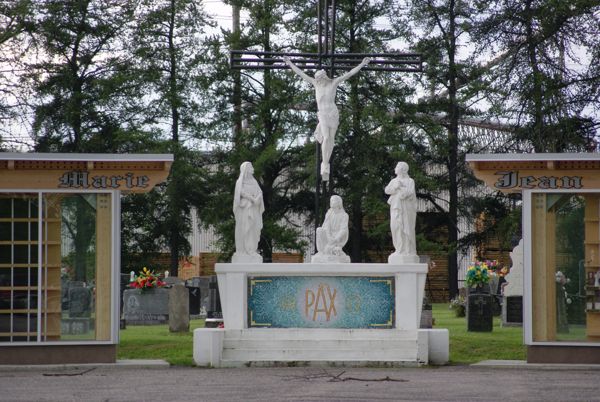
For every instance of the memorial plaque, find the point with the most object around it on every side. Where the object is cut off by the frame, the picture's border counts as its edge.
(514, 309)
(148, 307)
(321, 302)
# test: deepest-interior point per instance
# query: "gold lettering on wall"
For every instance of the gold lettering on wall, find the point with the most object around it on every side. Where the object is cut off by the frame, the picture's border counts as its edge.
(322, 302)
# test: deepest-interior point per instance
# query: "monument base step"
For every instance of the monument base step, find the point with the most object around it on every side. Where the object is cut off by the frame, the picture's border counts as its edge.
(319, 347)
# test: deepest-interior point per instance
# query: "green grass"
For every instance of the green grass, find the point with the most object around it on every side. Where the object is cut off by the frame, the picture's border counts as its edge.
(156, 342)
(470, 347)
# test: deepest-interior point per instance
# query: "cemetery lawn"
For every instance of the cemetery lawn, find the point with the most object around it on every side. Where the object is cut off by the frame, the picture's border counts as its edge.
(156, 342)
(471, 347)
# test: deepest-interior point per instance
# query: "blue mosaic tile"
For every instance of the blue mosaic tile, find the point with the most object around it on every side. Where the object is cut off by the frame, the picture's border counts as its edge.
(321, 302)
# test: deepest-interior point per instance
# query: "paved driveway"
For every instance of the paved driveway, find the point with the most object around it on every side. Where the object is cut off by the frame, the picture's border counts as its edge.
(453, 383)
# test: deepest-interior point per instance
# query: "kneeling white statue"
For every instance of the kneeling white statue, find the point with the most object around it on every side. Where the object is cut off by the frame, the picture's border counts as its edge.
(333, 235)
(403, 216)
(248, 207)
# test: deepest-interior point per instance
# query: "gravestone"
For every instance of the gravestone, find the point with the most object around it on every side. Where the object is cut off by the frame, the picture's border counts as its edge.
(80, 302)
(194, 300)
(172, 280)
(512, 311)
(79, 309)
(426, 315)
(479, 313)
(75, 326)
(202, 284)
(214, 315)
(179, 308)
(146, 307)
(512, 305)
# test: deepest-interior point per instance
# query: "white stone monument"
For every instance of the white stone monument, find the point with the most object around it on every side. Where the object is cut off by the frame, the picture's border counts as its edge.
(514, 278)
(333, 235)
(248, 208)
(512, 291)
(403, 216)
(329, 311)
(327, 111)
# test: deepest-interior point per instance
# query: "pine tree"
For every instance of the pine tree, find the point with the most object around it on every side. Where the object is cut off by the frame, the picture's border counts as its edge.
(444, 31)
(269, 134)
(16, 26)
(168, 43)
(545, 71)
(79, 75)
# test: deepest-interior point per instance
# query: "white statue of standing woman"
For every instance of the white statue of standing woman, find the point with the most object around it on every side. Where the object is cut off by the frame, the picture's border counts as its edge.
(333, 234)
(403, 216)
(327, 111)
(248, 207)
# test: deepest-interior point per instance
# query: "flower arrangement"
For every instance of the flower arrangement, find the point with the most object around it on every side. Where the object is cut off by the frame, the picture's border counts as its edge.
(458, 305)
(478, 273)
(496, 269)
(146, 280)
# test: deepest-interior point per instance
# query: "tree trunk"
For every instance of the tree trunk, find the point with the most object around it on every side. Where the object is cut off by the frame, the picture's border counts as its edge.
(537, 95)
(174, 103)
(454, 115)
(237, 80)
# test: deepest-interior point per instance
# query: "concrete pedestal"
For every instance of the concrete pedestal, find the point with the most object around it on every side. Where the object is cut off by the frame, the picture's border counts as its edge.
(241, 342)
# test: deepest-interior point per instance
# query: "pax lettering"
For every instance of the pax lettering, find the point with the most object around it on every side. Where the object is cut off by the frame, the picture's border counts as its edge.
(513, 180)
(321, 304)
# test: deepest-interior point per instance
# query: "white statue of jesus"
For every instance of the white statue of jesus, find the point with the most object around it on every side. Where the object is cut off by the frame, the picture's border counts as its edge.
(327, 111)
(403, 216)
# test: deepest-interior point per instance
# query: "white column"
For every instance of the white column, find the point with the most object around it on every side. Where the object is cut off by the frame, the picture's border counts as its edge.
(234, 300)
(406, 301)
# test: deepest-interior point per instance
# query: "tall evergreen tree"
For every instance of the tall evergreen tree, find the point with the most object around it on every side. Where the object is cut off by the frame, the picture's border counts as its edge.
(544, 81)
(168, 44)
(79, 74)
(16, 25)
(270, 134)
(444, 36)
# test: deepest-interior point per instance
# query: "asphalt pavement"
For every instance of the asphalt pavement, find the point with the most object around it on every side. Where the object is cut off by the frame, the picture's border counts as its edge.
(158, 382)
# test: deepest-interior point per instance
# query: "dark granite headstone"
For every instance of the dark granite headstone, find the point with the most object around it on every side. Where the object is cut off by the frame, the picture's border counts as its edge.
(147, 307)
(214, 301)
(214, 315)
(194, 300)
(514, 309)
(479, 313)
(199, 288)
(80, 302)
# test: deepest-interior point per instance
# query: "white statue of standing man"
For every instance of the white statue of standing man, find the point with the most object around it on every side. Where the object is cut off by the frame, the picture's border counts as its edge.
(403, 216)
(248, 207)
(327, 111)
(333, 234)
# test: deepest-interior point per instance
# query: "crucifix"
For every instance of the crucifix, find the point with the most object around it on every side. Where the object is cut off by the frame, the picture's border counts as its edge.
(480, 302)
(326, 61)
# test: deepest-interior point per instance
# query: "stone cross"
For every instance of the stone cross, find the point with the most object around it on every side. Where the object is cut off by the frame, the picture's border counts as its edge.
(325, 58)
